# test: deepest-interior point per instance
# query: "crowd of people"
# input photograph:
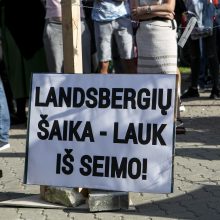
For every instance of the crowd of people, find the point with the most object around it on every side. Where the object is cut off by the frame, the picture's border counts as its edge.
(136, 36)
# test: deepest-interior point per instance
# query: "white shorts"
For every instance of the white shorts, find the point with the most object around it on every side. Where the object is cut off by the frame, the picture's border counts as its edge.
(122, 30)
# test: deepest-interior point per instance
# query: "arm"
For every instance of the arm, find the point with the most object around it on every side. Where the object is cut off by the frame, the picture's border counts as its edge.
(165, 10)
(134, 4)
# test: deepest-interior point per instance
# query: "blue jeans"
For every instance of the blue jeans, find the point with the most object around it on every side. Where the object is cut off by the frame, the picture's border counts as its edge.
(4, 115)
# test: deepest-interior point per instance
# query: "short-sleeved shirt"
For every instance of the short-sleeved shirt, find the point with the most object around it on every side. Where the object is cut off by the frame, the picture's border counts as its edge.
(110, 10)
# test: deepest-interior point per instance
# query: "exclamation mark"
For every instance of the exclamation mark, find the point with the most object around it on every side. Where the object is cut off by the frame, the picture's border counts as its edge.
(144, 171)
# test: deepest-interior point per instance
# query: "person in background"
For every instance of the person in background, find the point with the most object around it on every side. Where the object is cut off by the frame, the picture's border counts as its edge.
(156, 36)
(53, 38)
(88, 6)
(53, 45)
(4, 114)
(22, 33)
(4, 119)
(112, 19)
(6, 85)
(205, 12)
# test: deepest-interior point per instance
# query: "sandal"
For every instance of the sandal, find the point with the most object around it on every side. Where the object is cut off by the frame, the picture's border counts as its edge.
(180, 129)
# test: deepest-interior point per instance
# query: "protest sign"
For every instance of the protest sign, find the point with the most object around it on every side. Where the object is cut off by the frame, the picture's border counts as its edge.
(113, 132)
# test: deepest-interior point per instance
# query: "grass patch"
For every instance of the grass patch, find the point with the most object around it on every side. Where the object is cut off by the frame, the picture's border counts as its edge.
(186, 70)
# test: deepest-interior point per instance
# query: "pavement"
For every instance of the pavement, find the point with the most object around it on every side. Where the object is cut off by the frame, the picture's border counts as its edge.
(196, 175)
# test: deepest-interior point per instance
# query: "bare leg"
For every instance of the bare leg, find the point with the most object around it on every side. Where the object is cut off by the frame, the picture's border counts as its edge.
(103, 67)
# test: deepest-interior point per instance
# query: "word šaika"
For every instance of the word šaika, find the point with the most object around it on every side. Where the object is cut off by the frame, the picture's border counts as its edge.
(115, 98)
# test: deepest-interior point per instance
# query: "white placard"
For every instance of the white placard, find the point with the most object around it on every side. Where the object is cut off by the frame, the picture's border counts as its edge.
(113, 132)
(185, 35)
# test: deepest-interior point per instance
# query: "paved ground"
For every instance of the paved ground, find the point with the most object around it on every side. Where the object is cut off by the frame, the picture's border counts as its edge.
(196, 179)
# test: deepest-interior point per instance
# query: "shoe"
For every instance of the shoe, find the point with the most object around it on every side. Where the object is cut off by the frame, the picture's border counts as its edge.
(190, 93)
(180, 129)
(215, 94)
(4, 145)
(182, 107)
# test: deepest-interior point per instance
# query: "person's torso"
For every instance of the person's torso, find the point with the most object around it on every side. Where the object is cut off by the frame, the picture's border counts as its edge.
(53, 8)
(204, 11)
(109, 10)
